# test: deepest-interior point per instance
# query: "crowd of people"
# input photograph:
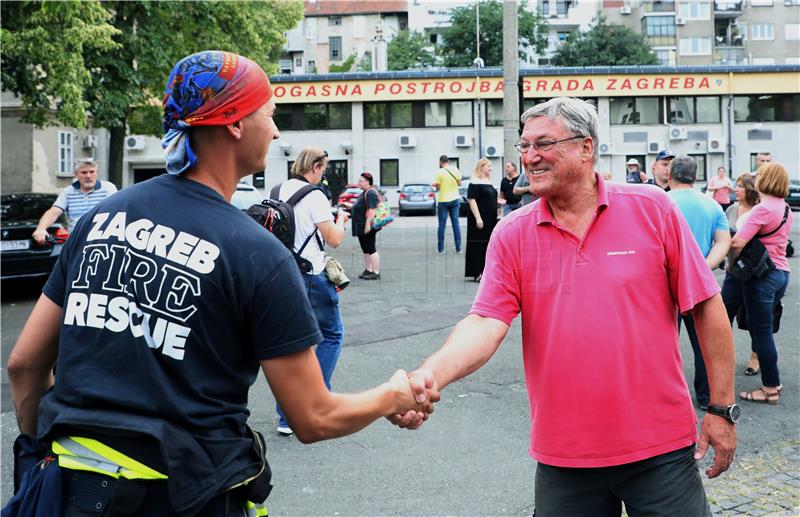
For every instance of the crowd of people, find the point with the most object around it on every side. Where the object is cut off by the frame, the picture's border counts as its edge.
(148, 406)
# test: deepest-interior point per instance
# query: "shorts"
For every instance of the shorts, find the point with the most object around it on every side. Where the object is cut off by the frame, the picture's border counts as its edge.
(665, 485)
(367, 243)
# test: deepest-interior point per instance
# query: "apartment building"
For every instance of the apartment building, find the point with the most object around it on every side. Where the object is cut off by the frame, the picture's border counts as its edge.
(333, 30)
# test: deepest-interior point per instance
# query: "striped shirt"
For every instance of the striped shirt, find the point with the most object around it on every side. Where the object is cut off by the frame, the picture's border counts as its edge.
(75, 202)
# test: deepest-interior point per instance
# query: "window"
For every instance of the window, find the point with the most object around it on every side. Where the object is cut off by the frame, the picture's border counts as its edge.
(335, 48)
(312, 66)
(696, 46)
(65, 160)
(762, 31)
(494, 113)
(322, 116)
(311, 28)
(664, 56)
(634, 110)
(258, 180)
(298, 62)
(695, 10)
(390, 173)
(694, 110)
(700, 160)
(766, 108)
(417, 114)
(334, 20)
(659, 30)
(544, 8)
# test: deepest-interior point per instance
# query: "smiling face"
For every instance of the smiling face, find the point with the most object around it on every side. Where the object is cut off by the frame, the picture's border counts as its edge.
(563, 168)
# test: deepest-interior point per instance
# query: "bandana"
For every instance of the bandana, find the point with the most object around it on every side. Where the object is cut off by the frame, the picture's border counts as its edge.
(210, 88)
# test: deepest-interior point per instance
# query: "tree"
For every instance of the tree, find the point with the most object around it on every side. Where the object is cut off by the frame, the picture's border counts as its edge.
(605, 45)
(346, 65)
(459, 49)
(409, 51)
(127, 80)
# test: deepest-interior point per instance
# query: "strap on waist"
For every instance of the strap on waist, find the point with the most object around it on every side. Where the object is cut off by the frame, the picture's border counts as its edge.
(80, 453)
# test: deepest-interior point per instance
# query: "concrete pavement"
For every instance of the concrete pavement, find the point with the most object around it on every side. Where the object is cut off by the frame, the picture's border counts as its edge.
(470, 458)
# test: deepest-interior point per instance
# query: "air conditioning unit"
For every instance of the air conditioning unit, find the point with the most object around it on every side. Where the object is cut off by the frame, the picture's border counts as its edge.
(678, 133)
(605, 148)
(625, 9)
(408, 141)
(463, 141)
(492, 151)
(653, 147)
(679, 20)
(716, 145)
(134, 143)
(89, 142)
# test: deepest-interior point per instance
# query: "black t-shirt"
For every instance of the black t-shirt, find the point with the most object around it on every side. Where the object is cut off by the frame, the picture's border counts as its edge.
(507, 188)
(170, 297)
(368, 199)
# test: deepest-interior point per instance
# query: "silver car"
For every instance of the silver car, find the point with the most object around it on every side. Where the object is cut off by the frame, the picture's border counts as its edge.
(417, 197)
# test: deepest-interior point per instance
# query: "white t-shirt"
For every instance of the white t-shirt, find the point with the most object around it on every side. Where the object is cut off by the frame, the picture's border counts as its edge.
(310, 211)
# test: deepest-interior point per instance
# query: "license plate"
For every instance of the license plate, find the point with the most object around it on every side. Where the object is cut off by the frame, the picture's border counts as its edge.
(417, 198)
(15, 245)
(794, 194)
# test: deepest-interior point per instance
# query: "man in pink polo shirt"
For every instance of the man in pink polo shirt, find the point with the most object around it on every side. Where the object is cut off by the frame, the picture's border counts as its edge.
(611, 416)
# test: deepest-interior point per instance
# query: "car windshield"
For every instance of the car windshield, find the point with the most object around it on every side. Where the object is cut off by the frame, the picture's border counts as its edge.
(23, 207)
(416, 189)
(245, 198)
(352, 190)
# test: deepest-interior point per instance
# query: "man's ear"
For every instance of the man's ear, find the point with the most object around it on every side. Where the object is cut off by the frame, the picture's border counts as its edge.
(235, 130)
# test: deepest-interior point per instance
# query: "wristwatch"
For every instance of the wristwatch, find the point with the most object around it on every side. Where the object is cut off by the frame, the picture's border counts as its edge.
(730, 413)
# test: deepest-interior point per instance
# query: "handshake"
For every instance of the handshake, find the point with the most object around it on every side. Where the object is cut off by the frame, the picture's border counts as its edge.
(415, 393)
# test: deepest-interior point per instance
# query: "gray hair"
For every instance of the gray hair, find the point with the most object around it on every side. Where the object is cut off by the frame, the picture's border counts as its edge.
(578, 116)
(683, 169)
(84, 162)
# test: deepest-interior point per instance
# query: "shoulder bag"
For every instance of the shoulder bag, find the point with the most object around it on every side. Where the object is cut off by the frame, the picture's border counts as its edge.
(754, 260)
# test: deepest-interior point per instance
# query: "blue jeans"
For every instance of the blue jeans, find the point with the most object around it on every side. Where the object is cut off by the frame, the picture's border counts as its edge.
(449, 208)
(325, 301)
(759, 297)
(701, 389)
(507, 209)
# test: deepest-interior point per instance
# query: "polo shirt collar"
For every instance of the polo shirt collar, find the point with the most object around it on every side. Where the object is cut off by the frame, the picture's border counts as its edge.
(77, 185)
(546, 216)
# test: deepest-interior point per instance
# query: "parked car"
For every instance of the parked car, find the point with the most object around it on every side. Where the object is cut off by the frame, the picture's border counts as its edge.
(463, 206)
(416, 197)
(20, 255)
(245, 196)
(793, 199)
(350, 193)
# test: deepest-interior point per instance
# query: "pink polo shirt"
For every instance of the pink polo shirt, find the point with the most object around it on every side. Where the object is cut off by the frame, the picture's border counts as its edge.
(763, 218)
(599, 333)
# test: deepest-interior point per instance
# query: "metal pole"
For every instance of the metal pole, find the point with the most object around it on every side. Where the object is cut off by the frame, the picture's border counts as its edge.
(510, 81)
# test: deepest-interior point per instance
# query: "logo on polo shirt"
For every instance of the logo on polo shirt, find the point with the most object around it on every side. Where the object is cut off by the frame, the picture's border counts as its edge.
(622, 252)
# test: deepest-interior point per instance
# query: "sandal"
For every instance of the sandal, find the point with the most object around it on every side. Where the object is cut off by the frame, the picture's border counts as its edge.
(751, 371)
(769, 398)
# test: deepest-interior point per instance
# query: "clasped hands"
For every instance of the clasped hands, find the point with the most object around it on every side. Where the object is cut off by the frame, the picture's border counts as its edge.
(420, 392)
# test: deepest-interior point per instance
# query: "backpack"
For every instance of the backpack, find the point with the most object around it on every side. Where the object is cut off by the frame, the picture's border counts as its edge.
(278, 218)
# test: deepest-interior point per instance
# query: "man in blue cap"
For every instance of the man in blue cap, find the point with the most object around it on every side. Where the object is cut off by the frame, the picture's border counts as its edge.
(660, 169)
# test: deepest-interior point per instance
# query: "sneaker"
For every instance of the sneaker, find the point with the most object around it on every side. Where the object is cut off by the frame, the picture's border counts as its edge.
(285, 430)
(442, 252)
(459, 252)
(372, 276)
(364, 274)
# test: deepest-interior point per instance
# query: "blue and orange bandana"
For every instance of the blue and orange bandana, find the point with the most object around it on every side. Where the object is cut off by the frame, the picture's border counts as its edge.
(210, 88)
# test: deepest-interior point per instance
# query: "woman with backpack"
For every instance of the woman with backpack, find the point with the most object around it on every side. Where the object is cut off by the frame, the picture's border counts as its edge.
(363, 213)
(314, 227)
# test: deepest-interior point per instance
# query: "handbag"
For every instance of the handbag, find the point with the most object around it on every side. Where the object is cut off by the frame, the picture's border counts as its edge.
(383, 213)
(754, 260)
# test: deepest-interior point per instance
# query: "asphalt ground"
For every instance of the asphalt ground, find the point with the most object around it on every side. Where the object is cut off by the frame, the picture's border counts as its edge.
(471, 457)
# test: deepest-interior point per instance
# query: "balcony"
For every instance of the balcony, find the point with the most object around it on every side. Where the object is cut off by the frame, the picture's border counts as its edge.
(662, 41)
(728, 8)
(729, 56)
(735, 41)
(658, 6)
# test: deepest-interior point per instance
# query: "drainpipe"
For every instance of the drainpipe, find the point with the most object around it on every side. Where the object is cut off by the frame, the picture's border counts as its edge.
(730, 124)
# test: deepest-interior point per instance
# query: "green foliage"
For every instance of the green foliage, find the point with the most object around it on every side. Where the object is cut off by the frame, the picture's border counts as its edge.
(365, 65)
(43, 49)
(111, 57)
(458, 48)
(409, 51)
(346, 65)
(605, 45)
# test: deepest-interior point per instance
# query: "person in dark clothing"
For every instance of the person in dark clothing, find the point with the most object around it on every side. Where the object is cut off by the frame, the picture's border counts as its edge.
(363, 212)
(513, 201)
(481, 218)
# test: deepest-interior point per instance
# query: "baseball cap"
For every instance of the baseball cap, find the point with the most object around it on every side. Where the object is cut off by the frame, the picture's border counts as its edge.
(664, 154)
(632, 161)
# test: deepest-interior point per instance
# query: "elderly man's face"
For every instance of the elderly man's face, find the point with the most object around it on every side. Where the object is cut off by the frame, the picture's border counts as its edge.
(87, 176)
(661, 170)
(554, 170)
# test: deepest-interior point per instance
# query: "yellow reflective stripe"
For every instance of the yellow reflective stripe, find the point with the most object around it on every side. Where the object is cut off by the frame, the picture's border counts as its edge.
(140, 470)
(70, 463)
(255, 509)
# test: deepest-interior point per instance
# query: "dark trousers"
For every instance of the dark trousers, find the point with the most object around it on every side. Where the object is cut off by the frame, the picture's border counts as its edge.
(701, 390)
(667, 485)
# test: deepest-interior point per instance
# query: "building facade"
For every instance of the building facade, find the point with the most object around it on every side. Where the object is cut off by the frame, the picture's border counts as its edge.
(396, 125)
